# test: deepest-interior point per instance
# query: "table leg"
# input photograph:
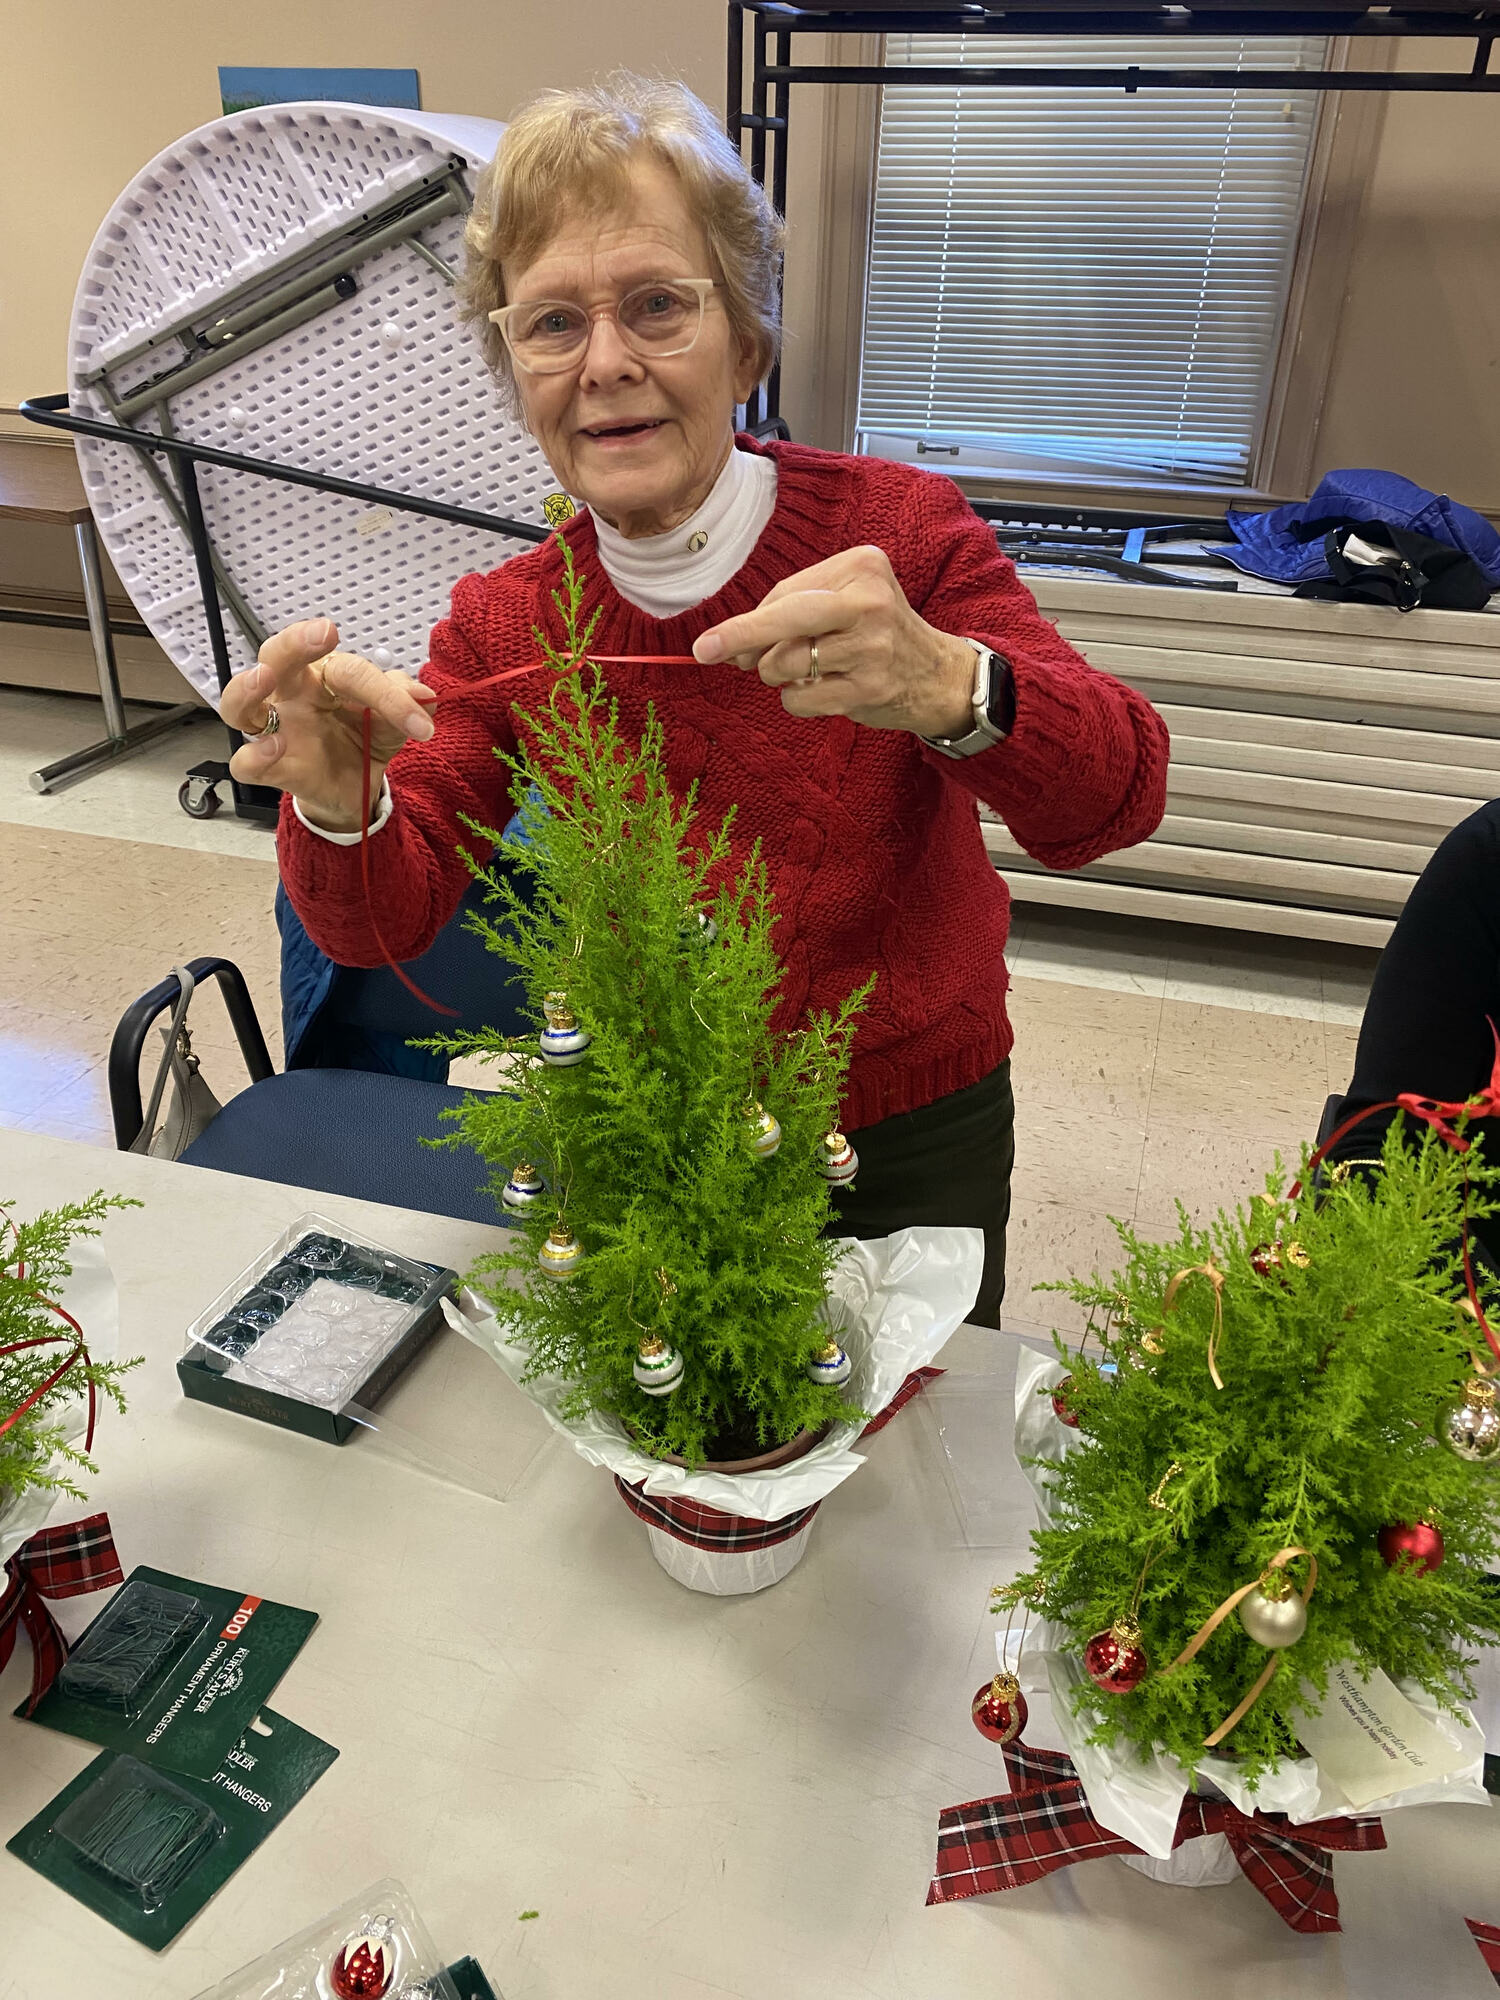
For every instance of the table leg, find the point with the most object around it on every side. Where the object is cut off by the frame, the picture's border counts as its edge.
(122, 739)
(99, 632)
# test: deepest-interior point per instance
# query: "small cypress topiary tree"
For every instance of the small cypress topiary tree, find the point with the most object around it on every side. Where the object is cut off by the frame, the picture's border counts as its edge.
(664, 1152)
(34, 1451)
(1353, 1421)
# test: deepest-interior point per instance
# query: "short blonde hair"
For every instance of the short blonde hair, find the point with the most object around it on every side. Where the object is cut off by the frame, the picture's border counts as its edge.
(572, 151)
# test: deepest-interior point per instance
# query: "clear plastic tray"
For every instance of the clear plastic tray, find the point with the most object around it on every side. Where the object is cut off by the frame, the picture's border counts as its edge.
(130, 1646)
(316, 1315)
(139, 1833)
(383, 1919)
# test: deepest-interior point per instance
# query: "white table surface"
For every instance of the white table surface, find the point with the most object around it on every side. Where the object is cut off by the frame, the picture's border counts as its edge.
(701, 1797)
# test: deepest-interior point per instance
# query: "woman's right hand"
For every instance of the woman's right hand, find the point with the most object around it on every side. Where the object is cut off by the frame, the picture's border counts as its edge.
(317, 751)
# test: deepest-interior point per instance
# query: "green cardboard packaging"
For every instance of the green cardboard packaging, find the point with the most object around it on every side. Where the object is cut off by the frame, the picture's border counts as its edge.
(206, 1374)
(256, 1784)
(203, 1696)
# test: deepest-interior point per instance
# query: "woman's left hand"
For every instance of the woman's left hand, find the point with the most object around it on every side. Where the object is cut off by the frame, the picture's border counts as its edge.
(878, 662)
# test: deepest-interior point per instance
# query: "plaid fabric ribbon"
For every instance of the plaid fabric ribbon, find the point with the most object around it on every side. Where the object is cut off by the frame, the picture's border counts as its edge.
(705, 1527)
(1044, 1823)
(1487, 1937)
(914, 1384)
(65, 1561)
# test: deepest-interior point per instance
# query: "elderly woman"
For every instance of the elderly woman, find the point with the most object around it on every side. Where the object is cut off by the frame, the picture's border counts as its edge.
(867, 666)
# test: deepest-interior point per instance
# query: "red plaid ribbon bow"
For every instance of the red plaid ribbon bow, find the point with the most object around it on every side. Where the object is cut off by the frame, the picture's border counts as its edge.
(1044, 1823)
(706, 1527)
(66, 1561)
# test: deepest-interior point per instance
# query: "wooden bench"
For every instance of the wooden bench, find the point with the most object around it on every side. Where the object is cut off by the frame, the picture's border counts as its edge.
(40, 482)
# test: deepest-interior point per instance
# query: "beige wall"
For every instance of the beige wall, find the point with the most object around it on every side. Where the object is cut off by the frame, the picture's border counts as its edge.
(91, 89)
(1415, 381)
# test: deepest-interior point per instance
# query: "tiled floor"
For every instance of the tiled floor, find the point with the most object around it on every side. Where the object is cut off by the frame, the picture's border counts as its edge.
(1153, 1061)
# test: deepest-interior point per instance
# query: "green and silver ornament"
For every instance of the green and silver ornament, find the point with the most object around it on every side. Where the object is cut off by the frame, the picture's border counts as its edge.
(658, 1367)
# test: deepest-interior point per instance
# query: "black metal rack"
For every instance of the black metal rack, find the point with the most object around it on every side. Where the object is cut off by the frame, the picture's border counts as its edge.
(252, 802)
(772, 72)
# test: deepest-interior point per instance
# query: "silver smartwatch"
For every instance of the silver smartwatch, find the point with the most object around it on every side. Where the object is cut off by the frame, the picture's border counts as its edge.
(989, 671)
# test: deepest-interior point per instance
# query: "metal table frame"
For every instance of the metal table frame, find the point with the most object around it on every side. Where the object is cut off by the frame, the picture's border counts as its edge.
(772, 72)
(191, 349)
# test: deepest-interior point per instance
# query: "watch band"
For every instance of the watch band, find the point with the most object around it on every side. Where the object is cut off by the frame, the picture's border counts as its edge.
(991, 678)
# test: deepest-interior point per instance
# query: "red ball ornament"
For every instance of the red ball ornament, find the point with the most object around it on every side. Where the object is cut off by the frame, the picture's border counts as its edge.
(999, 1709)
(1114, 1660)
(1419, 1542)
(1062, 1409)
(364, 1967)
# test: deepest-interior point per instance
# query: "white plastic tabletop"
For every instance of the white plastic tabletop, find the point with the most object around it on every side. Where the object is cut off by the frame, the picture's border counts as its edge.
(700, 1797)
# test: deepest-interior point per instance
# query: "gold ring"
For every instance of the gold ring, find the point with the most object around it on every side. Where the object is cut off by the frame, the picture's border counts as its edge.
(319, 672)
(813, 670)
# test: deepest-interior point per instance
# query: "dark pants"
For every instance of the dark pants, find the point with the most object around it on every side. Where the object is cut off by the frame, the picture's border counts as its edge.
(1436, 990)
(947, 1164)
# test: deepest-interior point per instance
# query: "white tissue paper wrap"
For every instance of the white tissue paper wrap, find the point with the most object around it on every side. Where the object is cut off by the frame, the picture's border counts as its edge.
(91, 1297)
(1140, 1799)
(892, 1303)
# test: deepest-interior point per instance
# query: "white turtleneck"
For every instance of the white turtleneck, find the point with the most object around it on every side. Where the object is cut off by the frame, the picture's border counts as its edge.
(663, 575)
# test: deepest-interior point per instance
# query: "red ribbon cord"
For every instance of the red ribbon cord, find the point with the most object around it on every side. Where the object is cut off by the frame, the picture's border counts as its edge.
(465, 694)
(80, 1353)
(1437, 1113)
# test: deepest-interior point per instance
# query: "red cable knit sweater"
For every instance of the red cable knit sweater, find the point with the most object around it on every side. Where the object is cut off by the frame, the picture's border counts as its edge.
(872, 840)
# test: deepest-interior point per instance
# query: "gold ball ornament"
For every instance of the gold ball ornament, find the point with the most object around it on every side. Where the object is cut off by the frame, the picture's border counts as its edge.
(1470, 1426)
(561, 1254)
(762, 1131)
(1273, 1614)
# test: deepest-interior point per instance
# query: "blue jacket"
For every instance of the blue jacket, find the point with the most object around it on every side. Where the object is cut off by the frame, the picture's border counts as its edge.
(1286, 544)
(345, 1017)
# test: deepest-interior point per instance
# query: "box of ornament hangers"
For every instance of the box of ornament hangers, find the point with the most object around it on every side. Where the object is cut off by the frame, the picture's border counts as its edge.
(314, 1331)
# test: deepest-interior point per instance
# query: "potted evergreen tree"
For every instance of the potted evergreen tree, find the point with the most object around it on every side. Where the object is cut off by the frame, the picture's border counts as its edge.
(665, 1156)
(46, 1373)
(1280, 1470)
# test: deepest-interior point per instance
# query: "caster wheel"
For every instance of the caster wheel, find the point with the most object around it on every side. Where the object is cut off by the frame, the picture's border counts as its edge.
(197, 798)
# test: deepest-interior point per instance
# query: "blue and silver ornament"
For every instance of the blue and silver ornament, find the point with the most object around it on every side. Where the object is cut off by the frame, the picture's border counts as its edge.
(524, 1189)
(563, 1041)
(830, 1367)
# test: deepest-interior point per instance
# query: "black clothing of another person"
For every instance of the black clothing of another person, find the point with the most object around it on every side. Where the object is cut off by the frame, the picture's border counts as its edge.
(1436, 990)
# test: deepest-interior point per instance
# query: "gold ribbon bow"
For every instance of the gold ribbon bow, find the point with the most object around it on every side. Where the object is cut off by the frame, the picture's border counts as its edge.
(1211, 1625)
(1215, 1277)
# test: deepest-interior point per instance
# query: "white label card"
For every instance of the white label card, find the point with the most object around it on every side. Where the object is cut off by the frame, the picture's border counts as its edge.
(1370, 1741)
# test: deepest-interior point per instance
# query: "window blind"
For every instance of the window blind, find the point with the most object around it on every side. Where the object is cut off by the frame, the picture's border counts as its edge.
(1076, 283)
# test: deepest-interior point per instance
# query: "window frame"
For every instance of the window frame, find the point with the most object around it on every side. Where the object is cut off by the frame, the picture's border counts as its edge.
(1344, 147)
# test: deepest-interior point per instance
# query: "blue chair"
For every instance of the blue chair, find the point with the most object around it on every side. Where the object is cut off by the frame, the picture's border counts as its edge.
(350, 1112)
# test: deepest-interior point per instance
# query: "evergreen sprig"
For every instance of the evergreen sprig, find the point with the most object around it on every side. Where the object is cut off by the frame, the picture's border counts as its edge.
(644, 1144)
(1335, 1374)
(33, 1267)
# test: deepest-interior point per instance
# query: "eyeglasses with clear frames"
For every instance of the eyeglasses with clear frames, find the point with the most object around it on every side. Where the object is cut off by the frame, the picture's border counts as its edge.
(549, 336)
